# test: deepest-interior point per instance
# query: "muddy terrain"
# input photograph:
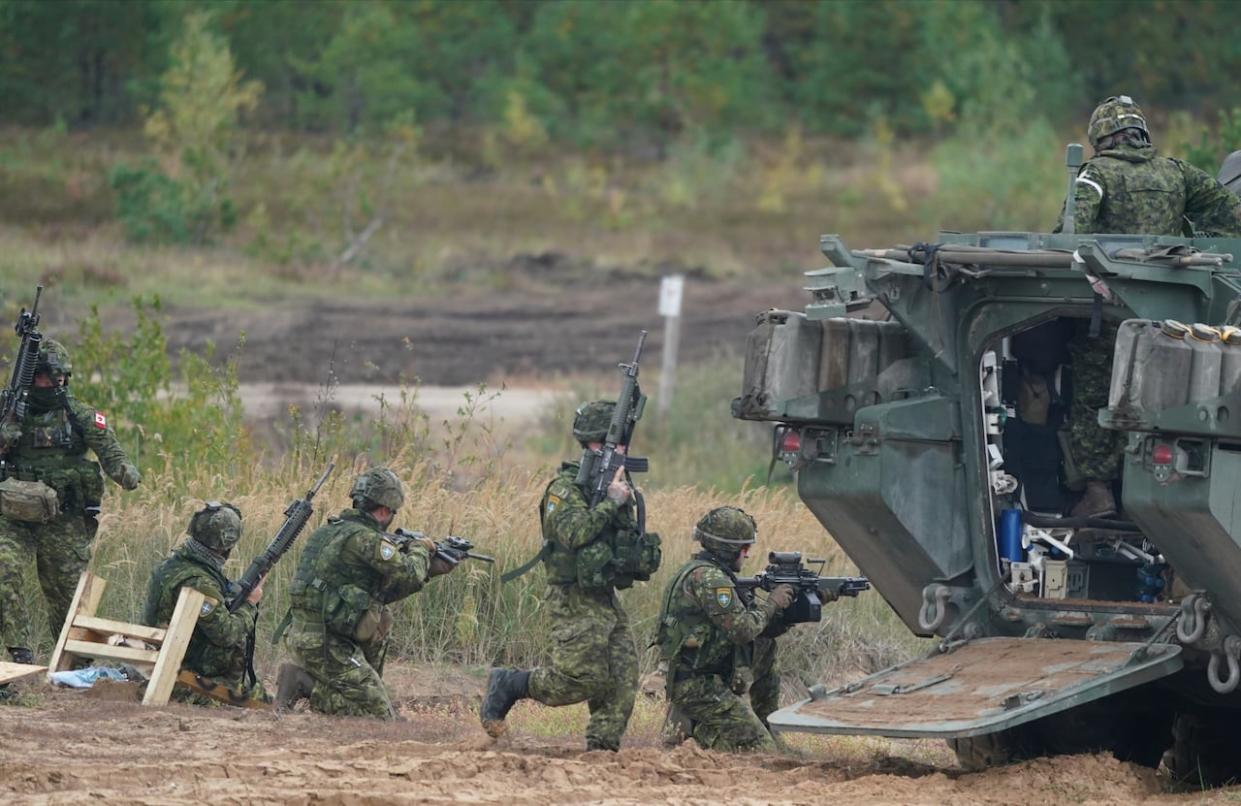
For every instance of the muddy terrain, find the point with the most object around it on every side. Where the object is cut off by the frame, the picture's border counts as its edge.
(531, 329)
(74, 747)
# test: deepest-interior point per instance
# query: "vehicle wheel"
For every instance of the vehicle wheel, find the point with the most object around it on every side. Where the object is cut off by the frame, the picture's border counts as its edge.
(994, 749)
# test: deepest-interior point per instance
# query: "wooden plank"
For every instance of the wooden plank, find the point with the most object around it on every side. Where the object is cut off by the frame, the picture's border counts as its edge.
(177, 638)
(85, 601)
(16, 671)
(109, 627)
(121, 653)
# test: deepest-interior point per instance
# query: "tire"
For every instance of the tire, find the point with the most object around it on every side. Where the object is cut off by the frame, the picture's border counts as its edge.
(1202, 752)
(976, 753)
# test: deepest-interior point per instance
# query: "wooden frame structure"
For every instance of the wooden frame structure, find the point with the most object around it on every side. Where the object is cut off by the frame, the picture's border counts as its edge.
(85, 635)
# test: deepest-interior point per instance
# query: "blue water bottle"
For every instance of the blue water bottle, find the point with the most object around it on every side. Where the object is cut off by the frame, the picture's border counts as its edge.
(1009, 537)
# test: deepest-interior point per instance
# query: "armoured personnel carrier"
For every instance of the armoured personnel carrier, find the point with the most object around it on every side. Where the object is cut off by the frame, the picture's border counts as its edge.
(922, 398)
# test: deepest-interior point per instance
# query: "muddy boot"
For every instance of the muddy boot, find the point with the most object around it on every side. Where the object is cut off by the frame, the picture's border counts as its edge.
(504, 687)
(21, 654)
(1097, 501)
(293, 684)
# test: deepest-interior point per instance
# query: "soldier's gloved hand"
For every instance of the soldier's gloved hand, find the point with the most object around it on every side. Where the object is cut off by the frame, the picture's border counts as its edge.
(439, 566)
(10, 433)
(782, 596)
(130, 477)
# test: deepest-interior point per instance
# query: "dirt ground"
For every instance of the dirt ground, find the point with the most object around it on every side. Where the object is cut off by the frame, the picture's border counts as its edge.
(75, 746)
(537, 327)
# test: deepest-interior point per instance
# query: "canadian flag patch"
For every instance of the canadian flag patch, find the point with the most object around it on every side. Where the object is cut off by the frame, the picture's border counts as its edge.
(101, 422)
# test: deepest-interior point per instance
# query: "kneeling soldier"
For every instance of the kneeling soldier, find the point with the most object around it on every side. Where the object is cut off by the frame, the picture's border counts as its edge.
(349, 572)
(222, 646)
(714, 639)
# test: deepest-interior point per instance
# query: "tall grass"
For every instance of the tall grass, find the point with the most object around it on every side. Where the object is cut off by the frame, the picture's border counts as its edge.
(469, 617)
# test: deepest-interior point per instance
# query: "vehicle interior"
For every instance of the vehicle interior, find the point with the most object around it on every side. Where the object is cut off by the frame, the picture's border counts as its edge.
(1027, 391)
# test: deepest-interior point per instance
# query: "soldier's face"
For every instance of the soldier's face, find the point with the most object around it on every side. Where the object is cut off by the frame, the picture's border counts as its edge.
(44, 381)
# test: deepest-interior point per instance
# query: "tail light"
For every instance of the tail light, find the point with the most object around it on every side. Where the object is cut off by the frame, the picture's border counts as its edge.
(1162, 454)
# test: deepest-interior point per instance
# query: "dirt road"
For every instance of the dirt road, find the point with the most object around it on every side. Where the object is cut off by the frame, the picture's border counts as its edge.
(472, 336)
(74, 747)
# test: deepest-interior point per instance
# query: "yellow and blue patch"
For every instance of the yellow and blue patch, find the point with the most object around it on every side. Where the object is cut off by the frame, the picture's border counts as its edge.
(724, 597)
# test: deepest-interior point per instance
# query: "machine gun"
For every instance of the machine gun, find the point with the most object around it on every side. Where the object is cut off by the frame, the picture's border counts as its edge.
(599, 467)
(452, 549)
(786, 568)
(15, 398)
(295, 518)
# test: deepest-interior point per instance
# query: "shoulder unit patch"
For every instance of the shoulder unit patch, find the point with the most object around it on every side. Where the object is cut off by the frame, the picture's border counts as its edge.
(387, 550)
(207, 607)
(101, 422)
(724, 597)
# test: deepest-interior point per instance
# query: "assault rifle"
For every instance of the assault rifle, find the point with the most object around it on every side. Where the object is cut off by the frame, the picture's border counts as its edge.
(785, 568)
(451, 549)
(295, 518)
(15, 398)
(599, 467)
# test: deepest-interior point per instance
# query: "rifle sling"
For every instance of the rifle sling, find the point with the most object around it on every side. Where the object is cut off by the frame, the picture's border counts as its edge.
(282, 626)
(529, 564)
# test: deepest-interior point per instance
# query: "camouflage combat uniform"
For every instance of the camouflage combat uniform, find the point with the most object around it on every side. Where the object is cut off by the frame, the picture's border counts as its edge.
(349, 572)
(1127, 188)
(218, 647)
(712, 639)
(50, 445)
(589, 551)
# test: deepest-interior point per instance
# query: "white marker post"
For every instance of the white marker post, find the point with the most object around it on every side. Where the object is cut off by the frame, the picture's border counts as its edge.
(671, 290)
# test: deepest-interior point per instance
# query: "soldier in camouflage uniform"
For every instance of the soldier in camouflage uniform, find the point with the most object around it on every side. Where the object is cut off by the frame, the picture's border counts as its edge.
(49, 446)
(718, 643)
(222, 646)
(348, 574)
(593, 655)
(1127, 187)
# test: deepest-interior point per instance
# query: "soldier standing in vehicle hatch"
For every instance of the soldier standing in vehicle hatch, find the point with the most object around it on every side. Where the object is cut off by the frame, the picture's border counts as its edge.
(1128, 188)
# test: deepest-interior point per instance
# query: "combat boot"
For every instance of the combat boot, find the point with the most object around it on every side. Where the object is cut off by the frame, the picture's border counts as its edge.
(21, 654)
(293, 684)
(1097, 502)
(504, 688)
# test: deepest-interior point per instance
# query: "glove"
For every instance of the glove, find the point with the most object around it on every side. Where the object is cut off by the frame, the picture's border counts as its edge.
(10, 433)
(782, 596)
(130, 476)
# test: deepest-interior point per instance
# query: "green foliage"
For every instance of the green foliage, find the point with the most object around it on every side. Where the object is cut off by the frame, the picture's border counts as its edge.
(603, 72)
(1215, 144)
(194, 131)
(196, 421)
(155, 208)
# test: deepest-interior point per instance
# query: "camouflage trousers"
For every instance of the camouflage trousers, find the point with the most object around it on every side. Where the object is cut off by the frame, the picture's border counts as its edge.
(61, 550)
(347, 674)
(1097, 452)
(593, 660)
(709, 709)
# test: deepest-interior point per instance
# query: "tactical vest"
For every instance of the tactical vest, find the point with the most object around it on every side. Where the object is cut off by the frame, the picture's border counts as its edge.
(324, 589)
(616, 558)
(53, 451)
(684, 633)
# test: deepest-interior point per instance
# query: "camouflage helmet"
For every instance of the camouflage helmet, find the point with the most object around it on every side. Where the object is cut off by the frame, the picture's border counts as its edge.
(591, 421)
(378, 486)
(1116, 114)
(54, 359)
(217, 526)
(726, 531)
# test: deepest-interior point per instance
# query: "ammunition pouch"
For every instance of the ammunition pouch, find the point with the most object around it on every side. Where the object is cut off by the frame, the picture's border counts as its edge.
(28, 501)
(594, 569)
(638, 555)
(344, 608)
(374, 625)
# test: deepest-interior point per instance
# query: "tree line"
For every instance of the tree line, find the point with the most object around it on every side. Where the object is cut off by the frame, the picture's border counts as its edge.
(632, 72)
